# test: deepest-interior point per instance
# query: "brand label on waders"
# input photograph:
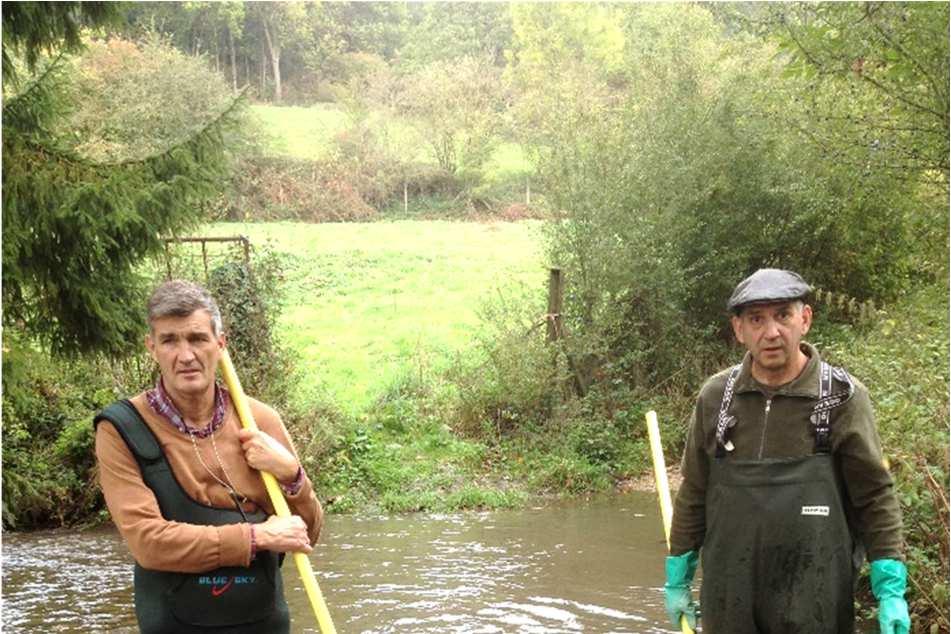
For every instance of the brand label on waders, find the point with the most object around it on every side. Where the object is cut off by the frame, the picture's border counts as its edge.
(220, 585)
(816, 510)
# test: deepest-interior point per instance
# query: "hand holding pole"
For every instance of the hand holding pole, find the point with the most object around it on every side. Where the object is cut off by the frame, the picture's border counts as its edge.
(663, 489)
(277, 497)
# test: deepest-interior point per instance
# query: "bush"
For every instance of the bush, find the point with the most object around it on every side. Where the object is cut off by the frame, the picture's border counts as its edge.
(280, 188)
(455, 104)
(513, 378)
(48, 434)
(138, 99)
(250, 303)
(903, 360)
(683, 175)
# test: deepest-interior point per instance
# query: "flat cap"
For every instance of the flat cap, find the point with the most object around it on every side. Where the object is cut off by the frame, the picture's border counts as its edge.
(768, 285)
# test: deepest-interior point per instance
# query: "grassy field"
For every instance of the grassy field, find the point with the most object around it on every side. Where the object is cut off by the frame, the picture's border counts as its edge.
(305, 133)
(368, 303)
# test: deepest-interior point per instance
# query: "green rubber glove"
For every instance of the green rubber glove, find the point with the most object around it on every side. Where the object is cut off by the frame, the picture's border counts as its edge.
(677, 599)
(888, 585)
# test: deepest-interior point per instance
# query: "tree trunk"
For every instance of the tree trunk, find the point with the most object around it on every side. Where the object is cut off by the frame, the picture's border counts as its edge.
(274, 48)
(263, 71)
(234, 69)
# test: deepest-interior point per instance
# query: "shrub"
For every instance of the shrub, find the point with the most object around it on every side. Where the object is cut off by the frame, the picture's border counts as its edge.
(250, 303)
(675, 180)
(48, 407)
(138, 99)
(903, 361)
(514, 377)
(281, 188)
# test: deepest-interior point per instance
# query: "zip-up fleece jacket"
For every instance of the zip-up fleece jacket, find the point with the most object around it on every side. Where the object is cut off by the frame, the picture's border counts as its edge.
(774, 423)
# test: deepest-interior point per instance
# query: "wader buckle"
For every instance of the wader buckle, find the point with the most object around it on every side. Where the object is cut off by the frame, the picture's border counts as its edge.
(821, 411)
(726, 422)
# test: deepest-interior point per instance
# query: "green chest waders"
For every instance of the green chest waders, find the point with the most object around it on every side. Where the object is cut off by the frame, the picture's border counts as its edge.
(778, 556)
(235, 599)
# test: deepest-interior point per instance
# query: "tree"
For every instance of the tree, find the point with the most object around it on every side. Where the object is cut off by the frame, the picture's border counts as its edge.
(444, 31)
(672, 175)
(32, 28)
(456, 105)
(889, 62)
(281, 23)
(76, 230)
(139, 99)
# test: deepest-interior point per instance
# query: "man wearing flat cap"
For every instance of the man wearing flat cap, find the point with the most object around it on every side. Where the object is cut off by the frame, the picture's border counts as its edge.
(785, 490)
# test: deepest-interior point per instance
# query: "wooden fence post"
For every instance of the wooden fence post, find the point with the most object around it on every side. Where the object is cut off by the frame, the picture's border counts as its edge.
(556, 291)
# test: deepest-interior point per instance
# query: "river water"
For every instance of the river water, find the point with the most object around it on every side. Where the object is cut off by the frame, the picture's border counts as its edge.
(583, 566)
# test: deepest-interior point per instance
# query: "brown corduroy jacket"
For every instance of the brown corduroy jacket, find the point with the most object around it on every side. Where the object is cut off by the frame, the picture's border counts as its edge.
(159, 544)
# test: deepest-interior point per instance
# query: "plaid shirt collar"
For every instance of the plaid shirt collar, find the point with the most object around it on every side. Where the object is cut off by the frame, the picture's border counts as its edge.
(161, 403)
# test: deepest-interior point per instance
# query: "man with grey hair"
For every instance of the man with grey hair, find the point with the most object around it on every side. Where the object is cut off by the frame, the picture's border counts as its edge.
(181, 480)
(785, 489)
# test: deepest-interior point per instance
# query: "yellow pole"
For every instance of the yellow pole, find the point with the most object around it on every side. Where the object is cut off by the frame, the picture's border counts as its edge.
(277, 498)
(663, 488)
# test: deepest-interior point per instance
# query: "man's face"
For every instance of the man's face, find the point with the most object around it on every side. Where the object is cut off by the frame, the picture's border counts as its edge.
(187, 352)
(772, 332)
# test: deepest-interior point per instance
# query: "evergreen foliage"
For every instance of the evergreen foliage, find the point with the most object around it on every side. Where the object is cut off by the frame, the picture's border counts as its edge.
(75, 229)
(31, 28)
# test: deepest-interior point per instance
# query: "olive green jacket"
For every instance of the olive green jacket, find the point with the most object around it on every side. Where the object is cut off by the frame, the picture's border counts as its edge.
(779, 427)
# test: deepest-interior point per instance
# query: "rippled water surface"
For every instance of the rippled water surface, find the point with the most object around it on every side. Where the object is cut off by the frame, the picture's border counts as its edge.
(580, 567)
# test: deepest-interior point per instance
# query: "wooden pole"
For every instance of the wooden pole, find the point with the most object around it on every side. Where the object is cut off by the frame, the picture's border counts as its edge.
(247, 252)
(204, 258)
(556, 293)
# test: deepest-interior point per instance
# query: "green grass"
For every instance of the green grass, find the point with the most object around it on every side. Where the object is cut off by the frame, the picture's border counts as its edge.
(368, 303)
(305, 133)
(507, 161)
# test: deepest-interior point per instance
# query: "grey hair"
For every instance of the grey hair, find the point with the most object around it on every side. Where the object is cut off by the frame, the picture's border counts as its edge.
(180, 298)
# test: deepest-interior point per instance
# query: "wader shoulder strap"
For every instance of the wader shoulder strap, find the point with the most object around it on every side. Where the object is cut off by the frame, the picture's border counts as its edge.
(136, 434)
(828, 400)
(725, 422)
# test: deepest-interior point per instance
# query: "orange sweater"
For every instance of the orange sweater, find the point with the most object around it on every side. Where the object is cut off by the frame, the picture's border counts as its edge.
(158, 544)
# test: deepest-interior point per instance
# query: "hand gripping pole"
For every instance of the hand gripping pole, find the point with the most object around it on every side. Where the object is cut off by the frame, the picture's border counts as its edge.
(663, 489)
(277, 497)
